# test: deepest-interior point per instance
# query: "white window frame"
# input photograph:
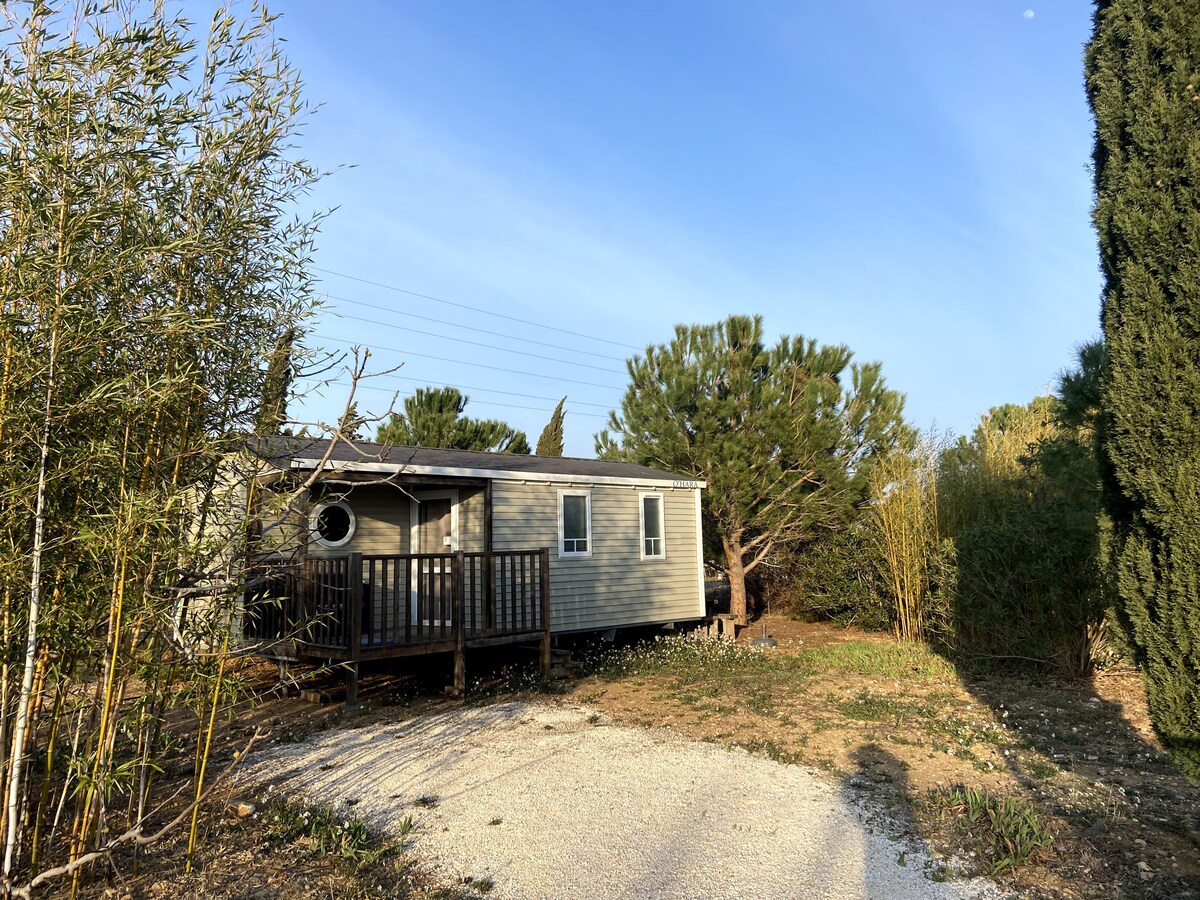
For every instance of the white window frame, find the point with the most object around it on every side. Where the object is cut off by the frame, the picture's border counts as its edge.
(314, 524)
(565, 554)
(662, 520)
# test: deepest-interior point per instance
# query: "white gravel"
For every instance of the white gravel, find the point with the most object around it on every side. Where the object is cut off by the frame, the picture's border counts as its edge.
(584, 808)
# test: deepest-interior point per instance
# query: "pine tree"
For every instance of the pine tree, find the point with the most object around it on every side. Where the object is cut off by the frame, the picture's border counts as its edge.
(550, 441)
(1143, 83)
(784, 442)
(516, 442)
(434, 417)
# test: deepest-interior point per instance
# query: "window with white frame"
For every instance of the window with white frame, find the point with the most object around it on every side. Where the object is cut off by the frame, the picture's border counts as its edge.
(574, 523)
(332, 524)
(654, 543)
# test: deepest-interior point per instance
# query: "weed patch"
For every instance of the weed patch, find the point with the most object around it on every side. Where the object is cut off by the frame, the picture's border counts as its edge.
(320, 829)
(769, 749)
(868, 707)
(687, 659)
(1005, 831)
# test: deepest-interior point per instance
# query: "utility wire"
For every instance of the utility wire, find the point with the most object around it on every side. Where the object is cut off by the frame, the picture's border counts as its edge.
(486, 312)
(565, 362)
(463, 362)
(510, 337)
(467, 387)
(372, 387)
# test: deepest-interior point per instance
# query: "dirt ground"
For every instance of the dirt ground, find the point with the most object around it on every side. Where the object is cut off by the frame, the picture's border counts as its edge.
(242, 857)
(1125, 822)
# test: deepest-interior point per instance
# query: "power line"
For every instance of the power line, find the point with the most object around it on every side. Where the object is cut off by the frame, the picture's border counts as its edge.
(371, 387)
(486, 312)
(511, 337)
(463, 362)
(565, 362)
(467, 387)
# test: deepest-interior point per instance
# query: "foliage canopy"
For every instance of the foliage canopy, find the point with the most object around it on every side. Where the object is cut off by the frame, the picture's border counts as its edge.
(1018, 507)
(433, 417)
(785, 436)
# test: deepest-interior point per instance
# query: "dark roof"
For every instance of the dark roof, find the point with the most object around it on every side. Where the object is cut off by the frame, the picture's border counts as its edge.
(281, 451)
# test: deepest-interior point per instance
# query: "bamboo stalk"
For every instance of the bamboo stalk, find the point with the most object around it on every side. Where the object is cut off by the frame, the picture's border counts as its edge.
(203, 758)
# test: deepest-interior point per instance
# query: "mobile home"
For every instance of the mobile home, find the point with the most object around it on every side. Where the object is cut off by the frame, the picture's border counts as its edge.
(404, 550)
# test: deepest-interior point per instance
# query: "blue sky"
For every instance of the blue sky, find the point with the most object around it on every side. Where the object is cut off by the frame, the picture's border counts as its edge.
(908, 179)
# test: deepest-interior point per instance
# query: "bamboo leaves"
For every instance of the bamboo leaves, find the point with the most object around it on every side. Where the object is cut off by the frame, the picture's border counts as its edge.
(150, 262)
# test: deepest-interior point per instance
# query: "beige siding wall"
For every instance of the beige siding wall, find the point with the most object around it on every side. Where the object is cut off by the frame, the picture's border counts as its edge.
(382, 522)
(472, 533)
(615, 586)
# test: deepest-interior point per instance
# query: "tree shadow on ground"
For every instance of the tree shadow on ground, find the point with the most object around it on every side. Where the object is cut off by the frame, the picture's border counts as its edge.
(1084, 751)
(881, 789)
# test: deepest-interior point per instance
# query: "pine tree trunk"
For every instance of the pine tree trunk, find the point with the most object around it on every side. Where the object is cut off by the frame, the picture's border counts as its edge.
(735, 568)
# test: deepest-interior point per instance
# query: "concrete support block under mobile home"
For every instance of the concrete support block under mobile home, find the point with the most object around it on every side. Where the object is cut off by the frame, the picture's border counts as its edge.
(724, 627)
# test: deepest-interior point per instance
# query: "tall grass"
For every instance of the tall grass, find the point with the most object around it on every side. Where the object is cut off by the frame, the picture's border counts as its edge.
(907, 661)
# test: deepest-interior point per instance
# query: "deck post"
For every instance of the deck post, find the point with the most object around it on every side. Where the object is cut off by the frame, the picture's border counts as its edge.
(544, 584)
(298, 512)
(458, 585)
(353, 622)
(489, 563)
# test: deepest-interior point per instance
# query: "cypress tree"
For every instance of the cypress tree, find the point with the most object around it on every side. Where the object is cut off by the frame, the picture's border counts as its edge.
(550, 441)
(1143, 83)
(272, 408)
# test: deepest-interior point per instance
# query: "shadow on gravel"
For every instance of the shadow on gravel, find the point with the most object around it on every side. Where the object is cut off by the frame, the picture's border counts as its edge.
(363, 759)
(880, 788)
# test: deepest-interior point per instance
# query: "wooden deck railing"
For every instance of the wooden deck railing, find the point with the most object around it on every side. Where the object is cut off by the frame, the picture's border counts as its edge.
(355, 606)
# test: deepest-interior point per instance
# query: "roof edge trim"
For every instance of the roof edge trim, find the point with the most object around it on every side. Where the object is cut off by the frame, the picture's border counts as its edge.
(496, 474)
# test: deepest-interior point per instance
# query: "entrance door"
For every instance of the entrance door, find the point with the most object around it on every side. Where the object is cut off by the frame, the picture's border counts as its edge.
(435, 531)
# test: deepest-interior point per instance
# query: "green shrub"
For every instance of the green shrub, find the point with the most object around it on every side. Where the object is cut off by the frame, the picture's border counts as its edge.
(1020, 504)
(834, 578)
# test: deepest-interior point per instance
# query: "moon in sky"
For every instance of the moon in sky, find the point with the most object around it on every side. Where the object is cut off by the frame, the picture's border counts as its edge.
(1028, 14)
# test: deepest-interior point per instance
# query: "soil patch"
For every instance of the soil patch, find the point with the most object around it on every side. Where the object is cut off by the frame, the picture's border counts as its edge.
(901, 723)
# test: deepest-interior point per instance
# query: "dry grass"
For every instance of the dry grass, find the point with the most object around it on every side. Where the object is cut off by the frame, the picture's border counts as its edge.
(1072, 759)
(892, 720)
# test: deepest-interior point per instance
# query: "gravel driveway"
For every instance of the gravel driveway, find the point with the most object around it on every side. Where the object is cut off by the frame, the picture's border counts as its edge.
(551, 801)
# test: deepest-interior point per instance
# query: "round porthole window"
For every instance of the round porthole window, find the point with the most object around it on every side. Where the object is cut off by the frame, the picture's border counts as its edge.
(332, 524)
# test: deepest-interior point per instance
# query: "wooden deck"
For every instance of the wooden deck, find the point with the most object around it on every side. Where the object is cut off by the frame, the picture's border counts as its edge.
(353, 607)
